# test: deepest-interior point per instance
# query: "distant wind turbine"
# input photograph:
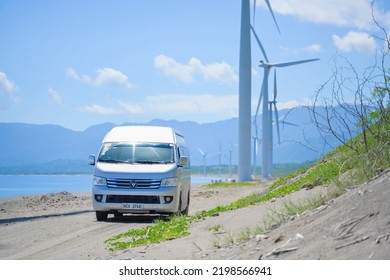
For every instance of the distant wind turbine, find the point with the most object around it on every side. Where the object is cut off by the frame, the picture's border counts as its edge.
(204, 160)
(272, 106)
(267, 140)
(244, 111)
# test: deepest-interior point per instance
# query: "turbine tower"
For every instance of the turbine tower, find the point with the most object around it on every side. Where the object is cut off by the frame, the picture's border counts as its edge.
(267, 141)
(244, 111)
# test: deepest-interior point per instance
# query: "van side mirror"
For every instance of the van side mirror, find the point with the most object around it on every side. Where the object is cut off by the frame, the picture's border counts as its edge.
(183, 161)
(91, 160)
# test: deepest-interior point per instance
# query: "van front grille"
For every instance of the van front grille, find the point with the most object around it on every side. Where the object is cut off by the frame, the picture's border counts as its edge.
(149, 199)
(133, 183)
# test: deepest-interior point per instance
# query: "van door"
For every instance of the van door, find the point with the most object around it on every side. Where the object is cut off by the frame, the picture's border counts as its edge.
(184, 177)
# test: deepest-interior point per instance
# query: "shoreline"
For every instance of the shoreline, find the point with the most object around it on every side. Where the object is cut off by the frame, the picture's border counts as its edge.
(39, 184)
(77, 193)
(22, 197)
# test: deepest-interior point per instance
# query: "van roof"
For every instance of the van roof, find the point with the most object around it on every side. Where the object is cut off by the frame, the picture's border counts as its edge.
(151, 134)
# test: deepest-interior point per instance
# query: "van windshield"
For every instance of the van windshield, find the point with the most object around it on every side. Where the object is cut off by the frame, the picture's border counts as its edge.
(149, 153)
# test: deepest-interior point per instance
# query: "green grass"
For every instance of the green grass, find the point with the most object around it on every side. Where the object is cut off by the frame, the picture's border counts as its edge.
(226, 185)
(216, 228)
(176, 227)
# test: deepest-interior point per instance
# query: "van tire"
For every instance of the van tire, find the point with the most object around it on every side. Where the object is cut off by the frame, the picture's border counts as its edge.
(101, 216)
(185, 211)
(118, 215)
(178, 212)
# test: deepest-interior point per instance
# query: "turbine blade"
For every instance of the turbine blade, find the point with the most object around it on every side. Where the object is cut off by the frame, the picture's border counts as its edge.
(288, 123)
(256, 146)
(254, 12)
(272, 13)
(275, 86)
(258, 103)
(260, 44)
(277, 122)
(284, 64)
(201, 152)
(282, 121)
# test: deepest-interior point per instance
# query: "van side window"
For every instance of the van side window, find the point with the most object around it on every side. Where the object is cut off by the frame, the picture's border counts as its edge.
(178, 154)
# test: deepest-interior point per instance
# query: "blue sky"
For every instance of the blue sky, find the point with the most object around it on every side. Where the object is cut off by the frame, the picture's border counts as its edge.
(79, 63)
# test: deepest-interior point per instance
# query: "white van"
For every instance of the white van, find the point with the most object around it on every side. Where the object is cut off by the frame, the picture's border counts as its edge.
(141, 169)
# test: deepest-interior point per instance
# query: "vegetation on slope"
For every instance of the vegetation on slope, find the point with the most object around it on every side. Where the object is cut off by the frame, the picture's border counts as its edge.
(361, 164)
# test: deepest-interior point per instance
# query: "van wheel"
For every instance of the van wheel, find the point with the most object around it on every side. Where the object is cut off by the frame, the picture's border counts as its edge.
(178, 210)
(118, 215)
(101, 216)
(185, 211)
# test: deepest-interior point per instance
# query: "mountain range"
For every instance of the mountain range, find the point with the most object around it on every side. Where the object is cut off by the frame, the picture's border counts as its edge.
(30, 148)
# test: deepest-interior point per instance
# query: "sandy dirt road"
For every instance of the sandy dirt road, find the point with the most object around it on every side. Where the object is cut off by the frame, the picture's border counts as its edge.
(353, 226)
(63, 225)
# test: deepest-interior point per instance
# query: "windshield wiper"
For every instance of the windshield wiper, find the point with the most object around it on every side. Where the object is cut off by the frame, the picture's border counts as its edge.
(115, 161)
(151, 161)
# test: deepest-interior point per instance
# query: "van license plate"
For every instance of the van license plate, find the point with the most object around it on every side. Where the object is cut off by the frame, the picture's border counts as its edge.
(133, 206)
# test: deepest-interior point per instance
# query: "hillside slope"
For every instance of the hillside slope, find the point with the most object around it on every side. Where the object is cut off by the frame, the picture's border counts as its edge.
(355, 225)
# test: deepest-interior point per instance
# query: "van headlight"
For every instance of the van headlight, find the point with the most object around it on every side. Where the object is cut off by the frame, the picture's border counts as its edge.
(99, 181)
(170, 182)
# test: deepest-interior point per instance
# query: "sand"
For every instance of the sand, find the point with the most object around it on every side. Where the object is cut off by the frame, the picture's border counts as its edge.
(63, 226)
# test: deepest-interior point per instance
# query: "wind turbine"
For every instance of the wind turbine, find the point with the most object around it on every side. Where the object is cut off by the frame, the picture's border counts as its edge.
(277, 121)
(204, 160)
(266, 117)
(244, 111)
(272, 104)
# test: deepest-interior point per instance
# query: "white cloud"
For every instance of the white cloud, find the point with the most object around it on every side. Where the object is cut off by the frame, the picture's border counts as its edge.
(5, 84)
(168, 105)
(345, 13)
(194, 107)
(355, 41)
(193, 104)
(293, 103)
(97, 109)
(131, 107)
(104, 77)
(173, 69)
(314, 48)
(111, 77)
(221, 72)
(7, 88)
(70, 72)
(55, 96)
(283, 105)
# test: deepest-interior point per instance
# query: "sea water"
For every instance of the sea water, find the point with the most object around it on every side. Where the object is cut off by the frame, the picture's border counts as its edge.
(15, 185)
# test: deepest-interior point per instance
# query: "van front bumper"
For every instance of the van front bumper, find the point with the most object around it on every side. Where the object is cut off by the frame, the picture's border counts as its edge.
(118, 200)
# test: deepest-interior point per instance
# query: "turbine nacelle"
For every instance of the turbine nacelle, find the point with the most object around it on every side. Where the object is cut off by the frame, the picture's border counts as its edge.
(264, 64)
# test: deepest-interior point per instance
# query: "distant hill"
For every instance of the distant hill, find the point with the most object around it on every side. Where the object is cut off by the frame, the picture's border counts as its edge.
(55, 149)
